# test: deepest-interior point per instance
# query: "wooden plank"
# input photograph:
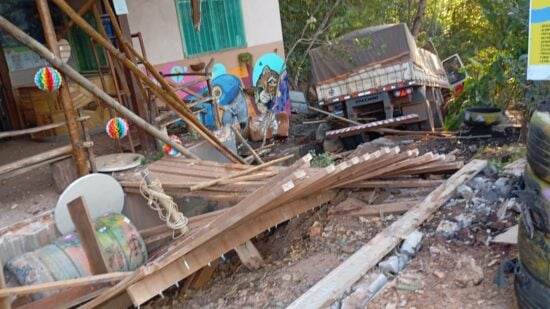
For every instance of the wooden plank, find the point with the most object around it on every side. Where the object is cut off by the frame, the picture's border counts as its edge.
(67, 298)
(204, 275)
(63, 284)
(328, 289)
(4, 301)
(238, 174)
(249, 255)
(85, 229)
(408, 183)
(156, 281)
(377, 209)
(245, 208)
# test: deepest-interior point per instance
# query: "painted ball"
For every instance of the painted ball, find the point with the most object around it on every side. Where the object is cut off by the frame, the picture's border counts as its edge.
(47, 79)
(169, 150)
(117, 128)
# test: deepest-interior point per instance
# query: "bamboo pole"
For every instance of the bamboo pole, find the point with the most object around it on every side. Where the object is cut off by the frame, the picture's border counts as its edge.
(210, 183)
(115, 75)
(82, 11)
(65, 97)
(38, 129)
(43, 52)
(35, 159)
(169, 96)
(247, 145)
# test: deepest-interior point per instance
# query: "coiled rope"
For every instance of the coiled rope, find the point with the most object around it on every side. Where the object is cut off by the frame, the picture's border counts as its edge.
(163, 204)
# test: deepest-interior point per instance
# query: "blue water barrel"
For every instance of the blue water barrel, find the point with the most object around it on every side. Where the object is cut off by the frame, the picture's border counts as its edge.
(123, 248)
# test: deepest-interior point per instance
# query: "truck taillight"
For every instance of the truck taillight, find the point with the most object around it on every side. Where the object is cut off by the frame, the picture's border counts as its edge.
(402, 92)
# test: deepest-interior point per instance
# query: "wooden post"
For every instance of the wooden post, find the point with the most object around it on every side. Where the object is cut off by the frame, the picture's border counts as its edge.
(43, 52)
(249, 255)
(85, 229)
(88, 139)
(70, 116)
(4, 301)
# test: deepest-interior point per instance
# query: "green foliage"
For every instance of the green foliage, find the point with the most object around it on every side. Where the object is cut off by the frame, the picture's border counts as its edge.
(497, 73)
(321, 160)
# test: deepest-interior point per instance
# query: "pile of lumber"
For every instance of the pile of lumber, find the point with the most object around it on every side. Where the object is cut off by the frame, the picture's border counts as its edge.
(179, 176)
(294, 190)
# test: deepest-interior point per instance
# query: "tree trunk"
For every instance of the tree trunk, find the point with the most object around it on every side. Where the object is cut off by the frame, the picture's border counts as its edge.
(419, 18)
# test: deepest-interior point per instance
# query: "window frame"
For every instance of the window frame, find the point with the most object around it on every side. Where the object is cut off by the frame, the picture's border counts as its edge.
(213, 30)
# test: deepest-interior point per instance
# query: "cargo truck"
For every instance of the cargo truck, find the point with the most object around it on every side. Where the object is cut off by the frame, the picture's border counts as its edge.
(379, 73)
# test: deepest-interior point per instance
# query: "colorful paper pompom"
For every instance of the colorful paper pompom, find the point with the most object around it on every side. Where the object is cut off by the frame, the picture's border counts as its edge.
(171, 151)
(47, 79)
(117, 128)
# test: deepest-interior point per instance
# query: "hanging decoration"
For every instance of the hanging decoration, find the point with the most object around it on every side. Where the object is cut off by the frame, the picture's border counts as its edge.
(47, 79)
(169, 150)
(117, 128)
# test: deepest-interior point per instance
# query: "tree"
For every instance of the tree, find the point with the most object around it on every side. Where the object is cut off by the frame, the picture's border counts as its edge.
(417, 23)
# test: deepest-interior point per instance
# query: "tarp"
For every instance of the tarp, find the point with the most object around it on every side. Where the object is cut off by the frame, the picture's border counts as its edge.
(361, 48)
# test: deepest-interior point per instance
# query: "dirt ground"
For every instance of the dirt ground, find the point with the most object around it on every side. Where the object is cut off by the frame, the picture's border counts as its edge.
(300, 252)
(33, 192)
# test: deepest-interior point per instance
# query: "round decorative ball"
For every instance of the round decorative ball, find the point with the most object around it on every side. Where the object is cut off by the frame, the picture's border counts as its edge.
(47, 79)
(117, 128)
(171, 151)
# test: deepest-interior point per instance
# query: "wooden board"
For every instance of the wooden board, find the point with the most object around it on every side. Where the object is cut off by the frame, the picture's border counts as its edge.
(328, 289)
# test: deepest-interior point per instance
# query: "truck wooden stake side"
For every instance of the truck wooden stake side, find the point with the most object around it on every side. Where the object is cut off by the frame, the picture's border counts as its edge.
(379, 73)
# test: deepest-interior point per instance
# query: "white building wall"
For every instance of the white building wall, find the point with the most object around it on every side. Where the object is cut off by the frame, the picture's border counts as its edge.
(262, 21)
(158, 23)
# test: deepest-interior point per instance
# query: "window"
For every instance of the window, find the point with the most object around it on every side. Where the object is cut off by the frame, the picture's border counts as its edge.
(221, 26)
(82, 48)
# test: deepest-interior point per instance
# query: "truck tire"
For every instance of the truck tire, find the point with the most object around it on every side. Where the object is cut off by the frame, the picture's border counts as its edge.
(534, 254)
(538, 143)
(537, 198)
(530, 294)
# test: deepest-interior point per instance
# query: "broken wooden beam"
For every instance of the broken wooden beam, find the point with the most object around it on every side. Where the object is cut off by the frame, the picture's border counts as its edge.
(328, 289)
(86, 232)
(358, 129)
(249, 255)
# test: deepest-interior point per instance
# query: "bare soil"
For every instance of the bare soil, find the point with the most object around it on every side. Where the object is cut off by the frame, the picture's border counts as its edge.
(302, 251)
